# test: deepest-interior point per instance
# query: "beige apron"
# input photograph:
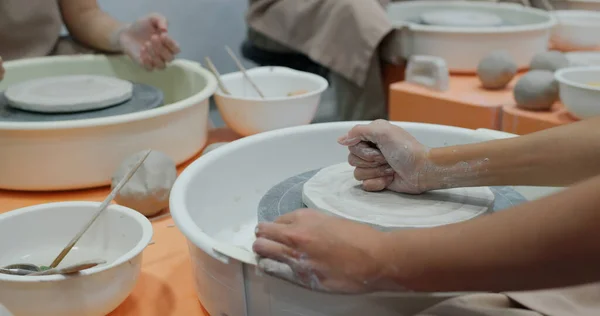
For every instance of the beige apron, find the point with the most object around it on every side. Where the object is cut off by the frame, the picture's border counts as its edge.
(341, 35)
(575, 301)
(31, 28)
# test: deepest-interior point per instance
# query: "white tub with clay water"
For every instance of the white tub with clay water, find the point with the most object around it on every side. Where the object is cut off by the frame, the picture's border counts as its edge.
(214, 203)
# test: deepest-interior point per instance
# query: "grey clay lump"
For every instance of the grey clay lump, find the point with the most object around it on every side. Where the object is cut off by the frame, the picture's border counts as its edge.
(148, 190)
(551, 61)
(537, 90)
(496, 70)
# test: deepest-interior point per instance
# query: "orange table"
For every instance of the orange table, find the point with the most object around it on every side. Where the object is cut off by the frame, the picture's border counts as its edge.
(464, 104)
(166, 285)
(521, 122)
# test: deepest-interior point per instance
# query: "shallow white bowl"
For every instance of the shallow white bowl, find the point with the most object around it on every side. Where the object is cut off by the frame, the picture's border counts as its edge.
(36, 234)
(579, 97)
(44, 156)
(247, 113)
(576, 30)
(525, 33)
(212, 211)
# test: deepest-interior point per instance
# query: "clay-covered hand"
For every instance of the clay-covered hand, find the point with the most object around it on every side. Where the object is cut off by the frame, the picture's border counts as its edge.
(321, 252)
(386, 157)
(1, 69)
(146, 41)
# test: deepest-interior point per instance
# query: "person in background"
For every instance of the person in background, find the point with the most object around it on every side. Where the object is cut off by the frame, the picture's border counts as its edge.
(542, 255)
(351, 38)
(33, 29)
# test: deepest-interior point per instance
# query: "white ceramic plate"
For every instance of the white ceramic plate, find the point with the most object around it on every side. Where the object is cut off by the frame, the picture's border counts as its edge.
(66, 94)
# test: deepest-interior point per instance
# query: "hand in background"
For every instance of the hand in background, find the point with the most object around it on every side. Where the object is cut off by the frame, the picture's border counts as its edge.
(147, 42)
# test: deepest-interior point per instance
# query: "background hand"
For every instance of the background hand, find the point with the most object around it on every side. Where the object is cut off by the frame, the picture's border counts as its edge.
(321, 252)
(386, 157)
(146, 41)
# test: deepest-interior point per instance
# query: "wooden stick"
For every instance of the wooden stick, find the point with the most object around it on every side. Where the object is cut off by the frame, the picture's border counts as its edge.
(102, 207)
(243, 70)
(215, 72)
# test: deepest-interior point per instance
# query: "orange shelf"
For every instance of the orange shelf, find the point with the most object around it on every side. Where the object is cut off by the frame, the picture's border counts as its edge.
(521, 122)
(465, 104)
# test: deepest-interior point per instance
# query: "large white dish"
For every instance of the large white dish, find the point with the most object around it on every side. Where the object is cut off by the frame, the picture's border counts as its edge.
(214, 203)
(36, 234)
(579, 97)
(576, 30)
(43, 156)
(525, 35)
(247, 113)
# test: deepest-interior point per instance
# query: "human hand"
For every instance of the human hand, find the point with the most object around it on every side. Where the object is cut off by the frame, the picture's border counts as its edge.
(322, 253)
(1, 69)
(146, 41)
(386, 157)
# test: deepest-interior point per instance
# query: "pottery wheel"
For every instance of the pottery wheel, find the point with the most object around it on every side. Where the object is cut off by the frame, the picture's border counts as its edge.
(287, 196)
(144, 97)
(461, 18)
(68, 94)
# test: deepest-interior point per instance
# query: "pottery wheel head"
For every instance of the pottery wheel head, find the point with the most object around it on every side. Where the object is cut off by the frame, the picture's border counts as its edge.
(461, 18)
(287, 196)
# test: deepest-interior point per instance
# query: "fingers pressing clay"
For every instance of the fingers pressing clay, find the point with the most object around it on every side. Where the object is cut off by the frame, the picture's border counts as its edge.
(367, 151)
(273, 250)
(288, 218)
(377, 184)
(362, 174)
(273, 231)
(277, 269)
(356, 161)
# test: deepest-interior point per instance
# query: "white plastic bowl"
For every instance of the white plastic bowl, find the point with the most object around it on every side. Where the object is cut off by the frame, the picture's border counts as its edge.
(579, 97)
(214, 202)
(78, 154)
(36, 234)
(525, 34)
(247, 113)
(576, 30)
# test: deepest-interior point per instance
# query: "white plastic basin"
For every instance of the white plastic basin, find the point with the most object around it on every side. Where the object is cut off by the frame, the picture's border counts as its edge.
(214, 201)
(525, 34)
(65, 155)
(36, 234)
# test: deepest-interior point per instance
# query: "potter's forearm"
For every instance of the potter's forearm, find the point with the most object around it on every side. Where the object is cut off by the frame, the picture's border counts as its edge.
(547, 243)
(555, 157)
(91, 26)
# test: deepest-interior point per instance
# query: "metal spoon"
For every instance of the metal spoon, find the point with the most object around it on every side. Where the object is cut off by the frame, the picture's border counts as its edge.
(70, 269)
(20, 269)
(33, 270)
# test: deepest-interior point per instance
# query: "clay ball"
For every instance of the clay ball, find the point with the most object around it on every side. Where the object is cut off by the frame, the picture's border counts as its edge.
(149, 188)
(551, 61)
(496, 70)
(537, 90)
